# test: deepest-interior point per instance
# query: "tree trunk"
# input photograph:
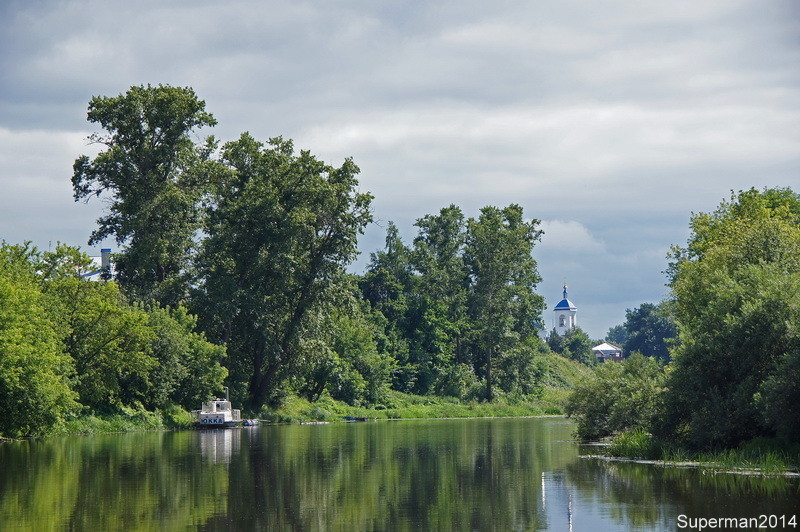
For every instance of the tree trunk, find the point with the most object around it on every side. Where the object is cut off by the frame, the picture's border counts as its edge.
(489, 395)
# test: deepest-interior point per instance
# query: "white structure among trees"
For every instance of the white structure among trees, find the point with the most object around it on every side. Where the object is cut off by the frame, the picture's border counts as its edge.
(565, 315)
(606, 351)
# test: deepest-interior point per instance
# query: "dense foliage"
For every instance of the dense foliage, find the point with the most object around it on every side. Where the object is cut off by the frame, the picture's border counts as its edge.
(648, 329)
(460, 305)
(154, 176)
(281, 228)
(68, 344)
(735, 363)
(737, 302)
(617, 397)
(34, 370)
(575, 344)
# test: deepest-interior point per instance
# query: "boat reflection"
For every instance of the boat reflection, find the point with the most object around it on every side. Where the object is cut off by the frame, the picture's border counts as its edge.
(219, 445)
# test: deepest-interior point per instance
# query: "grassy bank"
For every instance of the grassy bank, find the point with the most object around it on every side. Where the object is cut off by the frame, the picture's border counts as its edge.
(558, 378)
(299, 410)
(762, 455)
(126, 420)
(406, 406)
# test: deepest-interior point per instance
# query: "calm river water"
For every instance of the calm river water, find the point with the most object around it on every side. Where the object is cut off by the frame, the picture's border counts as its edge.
(496, 474)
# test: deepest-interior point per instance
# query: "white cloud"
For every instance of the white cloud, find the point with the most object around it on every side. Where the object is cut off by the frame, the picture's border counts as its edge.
(569, 236)
(36, 203)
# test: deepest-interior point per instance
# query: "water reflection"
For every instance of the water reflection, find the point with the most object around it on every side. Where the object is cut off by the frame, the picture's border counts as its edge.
(219, 445)
(467, 474)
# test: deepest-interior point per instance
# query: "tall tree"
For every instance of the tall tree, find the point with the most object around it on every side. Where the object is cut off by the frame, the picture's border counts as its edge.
(504, 306)
(438, 256)
(736, 288)
(388, 284)
(281, 229)
(34, 389)
(650, 328)
(151, 172)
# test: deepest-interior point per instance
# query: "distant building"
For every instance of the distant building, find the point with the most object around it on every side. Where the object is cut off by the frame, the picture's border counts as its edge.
(565, 315)
(606, 351)
(100, 265)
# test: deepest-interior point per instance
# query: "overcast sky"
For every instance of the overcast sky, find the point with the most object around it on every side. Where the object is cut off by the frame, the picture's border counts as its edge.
(609, 121)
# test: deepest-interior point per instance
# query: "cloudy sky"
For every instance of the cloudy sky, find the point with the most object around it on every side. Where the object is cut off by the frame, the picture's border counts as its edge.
(609, 121)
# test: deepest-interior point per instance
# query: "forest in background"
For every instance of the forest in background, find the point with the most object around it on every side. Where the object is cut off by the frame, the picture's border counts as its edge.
(231, 271)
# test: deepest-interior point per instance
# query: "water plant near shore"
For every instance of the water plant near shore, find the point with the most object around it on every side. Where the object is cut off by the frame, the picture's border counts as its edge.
(762, 456)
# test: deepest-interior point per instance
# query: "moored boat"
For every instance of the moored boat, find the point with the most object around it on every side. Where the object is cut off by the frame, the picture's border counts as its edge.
(218, 413)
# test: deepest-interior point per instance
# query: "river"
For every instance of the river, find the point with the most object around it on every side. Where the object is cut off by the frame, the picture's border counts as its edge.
(475, 474)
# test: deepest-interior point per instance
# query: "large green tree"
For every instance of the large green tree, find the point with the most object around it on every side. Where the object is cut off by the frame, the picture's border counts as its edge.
(439, 304)
(736, 287)
(187, 368)
(107, 338)
(34, 371)
(281, 228)
(345, 356)
(153, 175)
(617, 397)
(123, 353)
(650, 328)
(504, 307)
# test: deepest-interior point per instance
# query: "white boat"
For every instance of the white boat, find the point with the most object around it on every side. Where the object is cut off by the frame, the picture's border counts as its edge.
(218, 413)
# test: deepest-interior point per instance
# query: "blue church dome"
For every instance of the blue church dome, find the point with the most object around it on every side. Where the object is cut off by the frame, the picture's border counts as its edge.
(565, 304)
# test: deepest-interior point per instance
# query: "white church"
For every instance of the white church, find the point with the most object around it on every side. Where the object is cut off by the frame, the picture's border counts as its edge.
(565, 315)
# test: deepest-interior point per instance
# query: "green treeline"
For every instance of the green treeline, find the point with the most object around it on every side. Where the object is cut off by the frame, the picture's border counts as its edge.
(733, 376)
(69, 346)
(231, 270)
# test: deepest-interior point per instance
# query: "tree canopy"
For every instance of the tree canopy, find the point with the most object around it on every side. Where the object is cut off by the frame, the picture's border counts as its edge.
(68, 344)
(153, 175)
(648, 329)
(34, 370)
(281, 229)
(736, 287)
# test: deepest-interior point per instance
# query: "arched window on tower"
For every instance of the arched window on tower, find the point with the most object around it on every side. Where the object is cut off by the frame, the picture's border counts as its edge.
(562, 321)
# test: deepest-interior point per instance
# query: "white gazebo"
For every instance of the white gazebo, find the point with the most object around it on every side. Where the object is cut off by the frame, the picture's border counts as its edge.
(606, 351)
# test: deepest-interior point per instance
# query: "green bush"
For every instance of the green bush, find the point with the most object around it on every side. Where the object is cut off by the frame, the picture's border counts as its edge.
(618, 397)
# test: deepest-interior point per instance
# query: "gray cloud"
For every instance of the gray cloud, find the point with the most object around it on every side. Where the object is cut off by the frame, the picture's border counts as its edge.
(610, 121)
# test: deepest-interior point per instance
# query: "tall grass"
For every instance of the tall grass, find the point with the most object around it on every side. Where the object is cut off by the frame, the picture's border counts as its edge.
(635, 444)
(406, 406)
(126, 420)
(763, 456)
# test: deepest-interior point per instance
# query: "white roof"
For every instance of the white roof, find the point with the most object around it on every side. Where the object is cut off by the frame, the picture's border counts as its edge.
(606, 347)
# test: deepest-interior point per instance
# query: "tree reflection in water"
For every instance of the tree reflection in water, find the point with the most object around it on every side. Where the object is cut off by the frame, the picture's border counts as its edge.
(502, 474)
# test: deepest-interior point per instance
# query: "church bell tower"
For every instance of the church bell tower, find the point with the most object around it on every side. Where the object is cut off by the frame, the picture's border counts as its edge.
(565, 315)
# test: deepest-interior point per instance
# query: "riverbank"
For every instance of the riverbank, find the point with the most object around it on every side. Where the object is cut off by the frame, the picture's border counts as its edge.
(406, 406)
(762, 456)
(298, 410)
(126, 420)
(714, 467)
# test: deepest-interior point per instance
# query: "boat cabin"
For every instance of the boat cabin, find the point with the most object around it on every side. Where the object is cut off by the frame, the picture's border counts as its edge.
(218, 413)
